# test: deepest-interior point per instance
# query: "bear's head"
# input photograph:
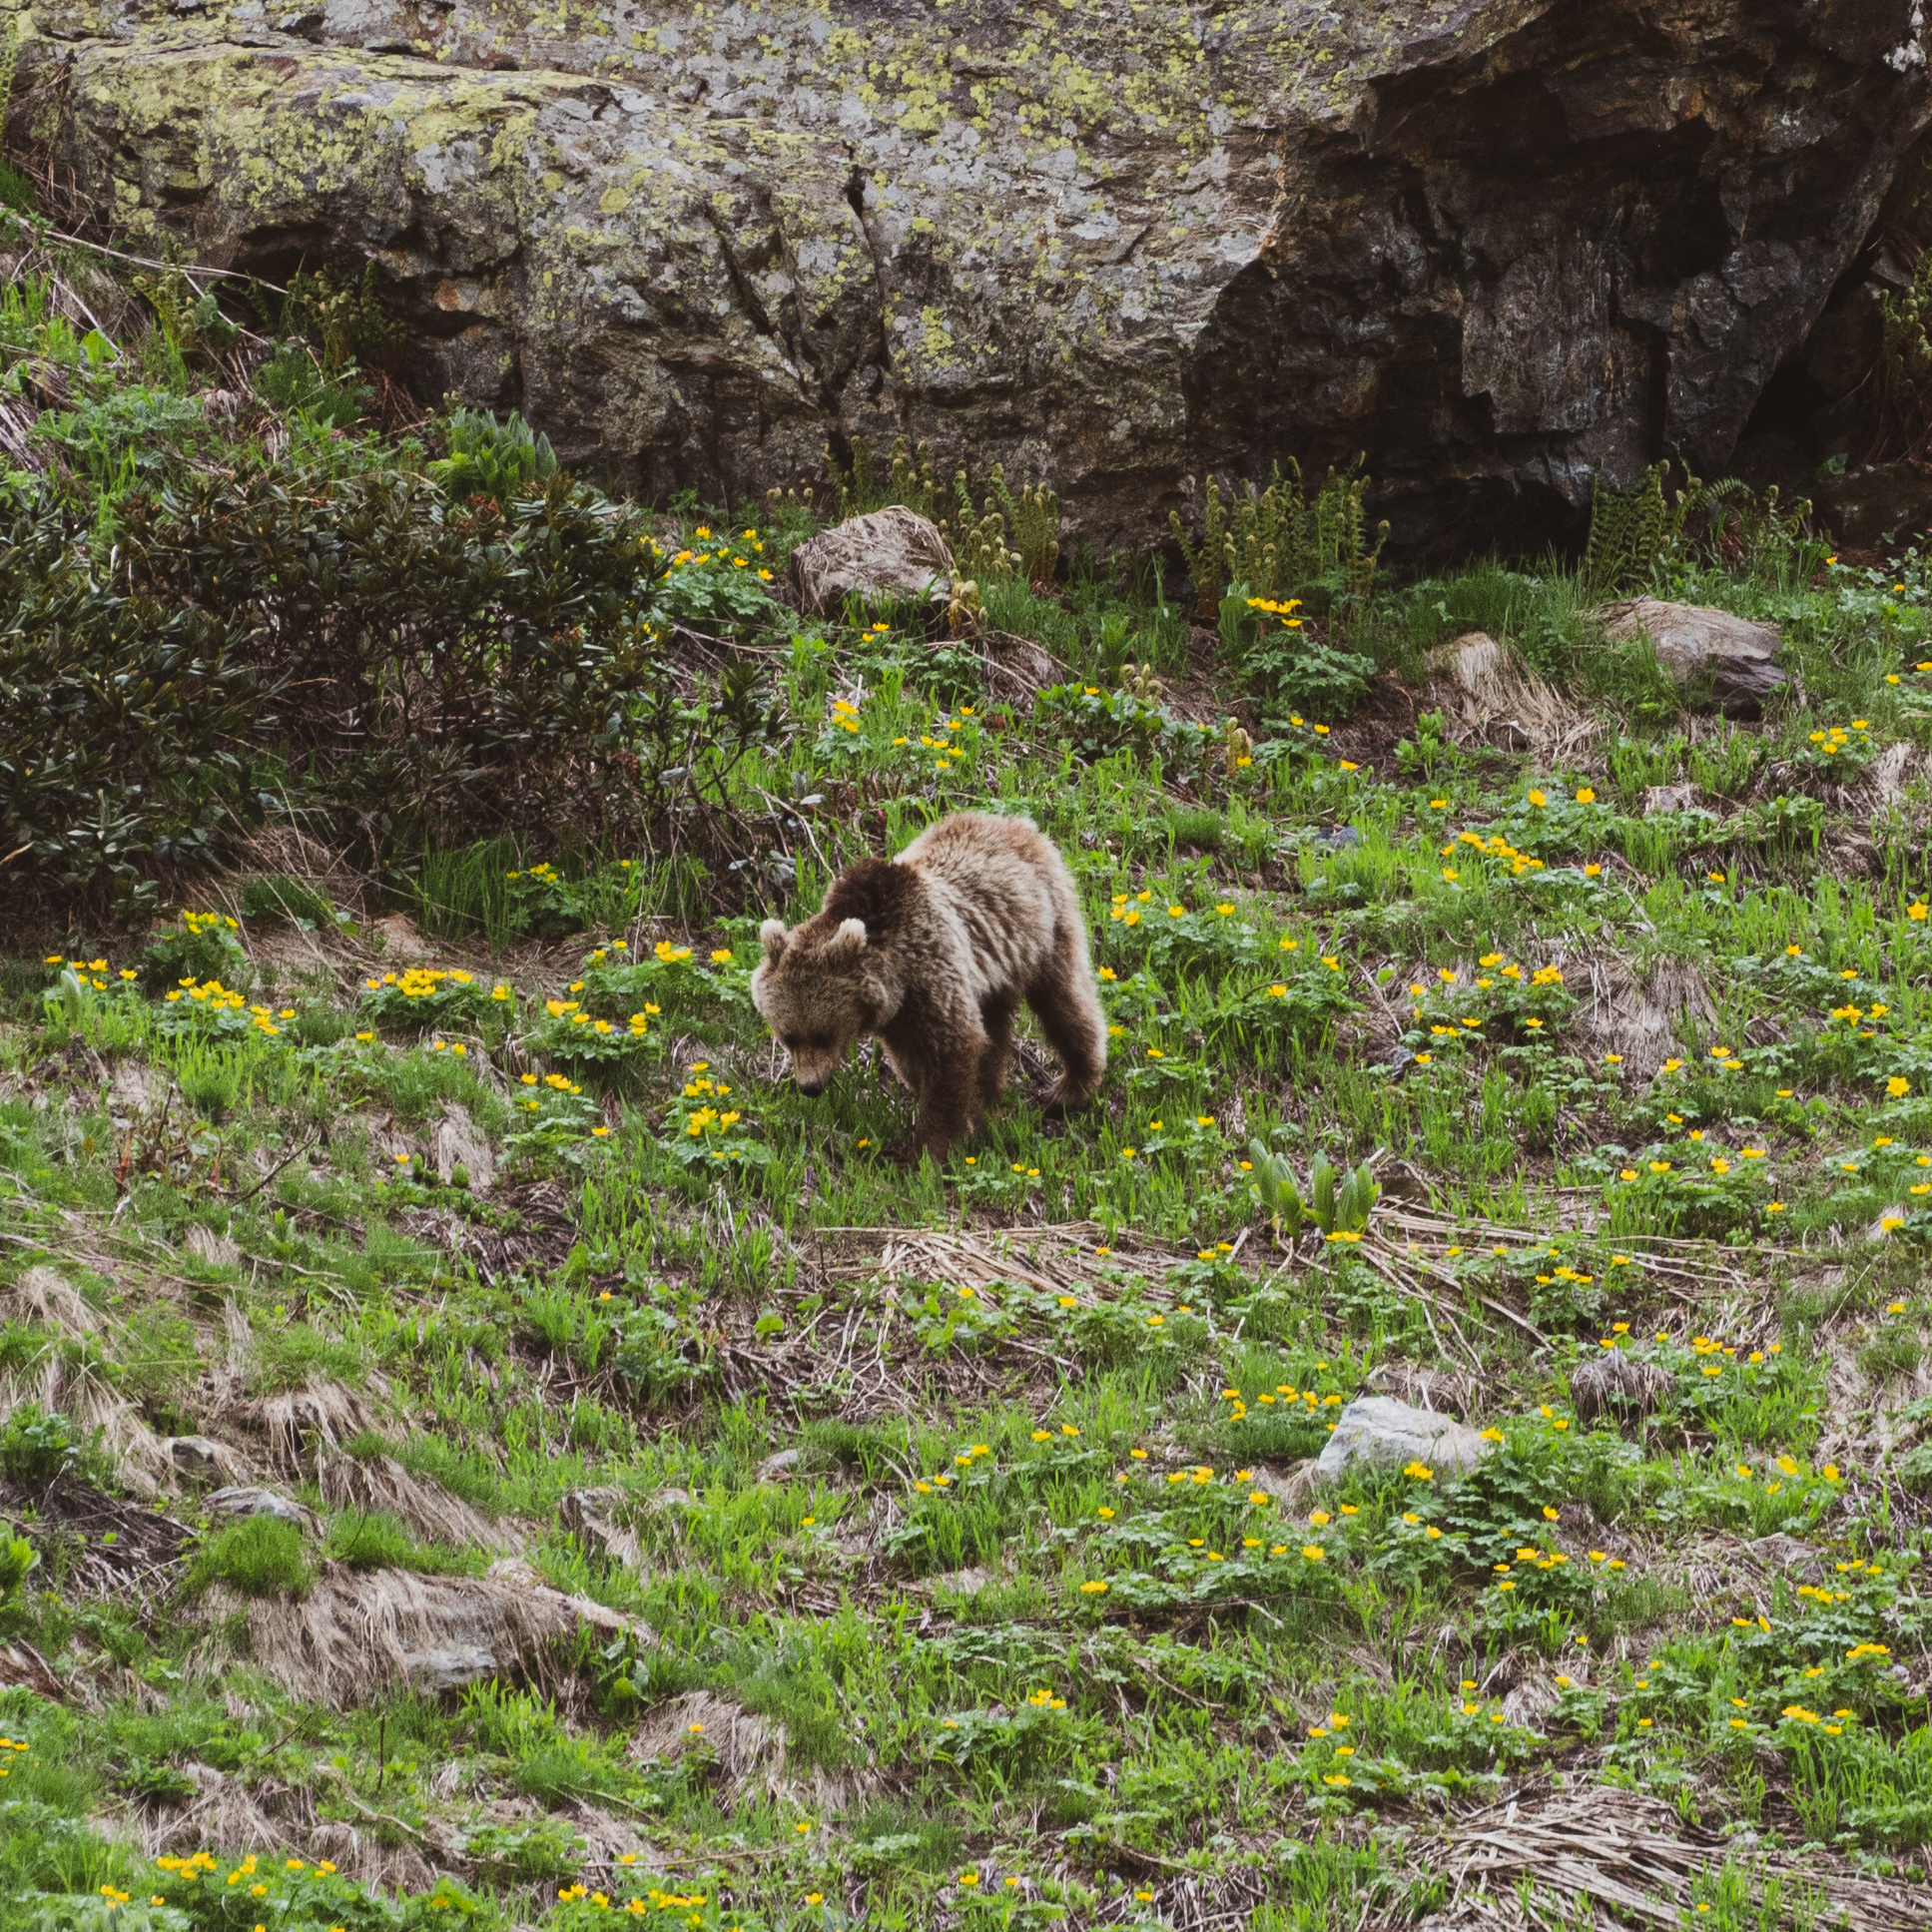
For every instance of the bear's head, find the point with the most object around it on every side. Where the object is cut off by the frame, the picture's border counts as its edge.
(818, 994)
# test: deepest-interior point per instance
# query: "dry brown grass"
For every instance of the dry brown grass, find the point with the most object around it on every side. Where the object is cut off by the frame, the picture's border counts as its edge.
(357, 1635)
(1634, 1861)
(1640, 1017)
(893, 550)
(749, 1751)
(382, 1483)
(323, 1415)
(1491, 698)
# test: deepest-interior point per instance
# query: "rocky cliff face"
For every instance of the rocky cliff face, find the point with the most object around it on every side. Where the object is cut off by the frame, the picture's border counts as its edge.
(1494, 242)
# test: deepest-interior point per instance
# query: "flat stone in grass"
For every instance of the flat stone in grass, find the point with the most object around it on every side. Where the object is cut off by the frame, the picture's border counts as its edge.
(243, 1500)
(1738, 657)
(1386, 1434)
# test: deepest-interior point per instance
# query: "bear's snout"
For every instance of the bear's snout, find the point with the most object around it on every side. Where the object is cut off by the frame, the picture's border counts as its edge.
(812, 1085)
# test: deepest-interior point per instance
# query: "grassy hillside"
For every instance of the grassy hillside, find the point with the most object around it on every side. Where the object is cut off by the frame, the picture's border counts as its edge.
(480, 1446)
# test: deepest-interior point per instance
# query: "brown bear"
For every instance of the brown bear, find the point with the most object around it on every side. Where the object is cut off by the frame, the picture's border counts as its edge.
(933, 952)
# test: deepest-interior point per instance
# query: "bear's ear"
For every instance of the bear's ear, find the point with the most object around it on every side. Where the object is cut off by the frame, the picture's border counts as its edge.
(848, 938)
(771, 935)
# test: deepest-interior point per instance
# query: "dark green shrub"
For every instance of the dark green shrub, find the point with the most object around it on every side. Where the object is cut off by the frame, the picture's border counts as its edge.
(125, 721)
(436, 671)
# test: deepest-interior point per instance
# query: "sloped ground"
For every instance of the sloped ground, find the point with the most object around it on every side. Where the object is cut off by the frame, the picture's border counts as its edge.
(529, 1465)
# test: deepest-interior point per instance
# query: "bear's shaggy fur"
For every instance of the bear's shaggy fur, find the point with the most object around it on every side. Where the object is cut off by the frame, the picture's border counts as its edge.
(932, 953)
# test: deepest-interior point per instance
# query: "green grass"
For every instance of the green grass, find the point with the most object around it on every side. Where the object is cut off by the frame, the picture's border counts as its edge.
(261, 1555)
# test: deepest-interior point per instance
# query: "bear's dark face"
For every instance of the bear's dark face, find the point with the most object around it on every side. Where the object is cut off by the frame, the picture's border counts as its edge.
(817, 999)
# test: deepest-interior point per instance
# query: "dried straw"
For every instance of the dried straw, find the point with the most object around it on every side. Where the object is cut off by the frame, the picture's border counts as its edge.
(382, 1483)
(356, 1633)
(1492, 698)
(891, 553)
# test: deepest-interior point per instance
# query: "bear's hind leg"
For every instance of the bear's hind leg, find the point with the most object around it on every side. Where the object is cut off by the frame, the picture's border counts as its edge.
(1068, 1010)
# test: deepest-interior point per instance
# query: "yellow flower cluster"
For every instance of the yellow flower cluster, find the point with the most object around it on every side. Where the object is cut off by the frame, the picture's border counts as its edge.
(1498, 847)
(216, 997)
(1282, 1392)
(1532, 1558)
(724, 553)
(638, 1027)
(418, 983)
(1282, 610)
(556, 1082)
(845, 714)
(669, 955)
(88, 971)
(945, 751)
(1836, 739)
(636, 1907)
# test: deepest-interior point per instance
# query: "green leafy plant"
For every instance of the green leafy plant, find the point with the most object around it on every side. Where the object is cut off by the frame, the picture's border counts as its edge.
(36, 1446)
(346, 323)
(195, 946)
(1276, 1193)
(291, 380)
(1431, 750)
(1276, 540)
(1634, 531)
(1131, 718)
(1291, 669)
(18, 1560)
(1334, 1206)
(499, 460)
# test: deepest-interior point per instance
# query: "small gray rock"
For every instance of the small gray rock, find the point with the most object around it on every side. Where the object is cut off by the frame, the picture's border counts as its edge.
(458, 1141)
(450, 1666)
(1778, 1553)
(775, 1469)
(891, 553)
(246, 1500)
(1386, 1434)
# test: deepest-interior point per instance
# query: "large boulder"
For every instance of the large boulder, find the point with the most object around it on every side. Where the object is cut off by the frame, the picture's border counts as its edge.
(1735, 659)
(1869, 505)
(1386, 1434)
(1494, 242)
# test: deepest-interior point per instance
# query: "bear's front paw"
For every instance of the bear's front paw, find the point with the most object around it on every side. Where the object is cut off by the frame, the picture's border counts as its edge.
(905, 1153)
(1057, 1103)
